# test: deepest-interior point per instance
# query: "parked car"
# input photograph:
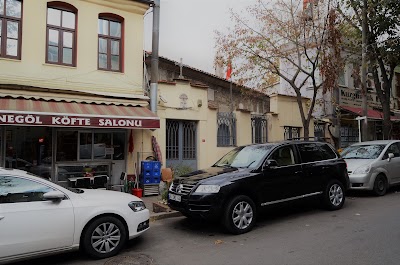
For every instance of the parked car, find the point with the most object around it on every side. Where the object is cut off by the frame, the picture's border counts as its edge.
(249, 178)
(38, 217)
(373, 165)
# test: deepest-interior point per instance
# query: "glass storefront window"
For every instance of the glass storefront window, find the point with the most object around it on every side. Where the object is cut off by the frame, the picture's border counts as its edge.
(67, 146)
(78, 171)
(92, 145)
(102, 146)
(30, 149)
(85, 145)
(119, 144)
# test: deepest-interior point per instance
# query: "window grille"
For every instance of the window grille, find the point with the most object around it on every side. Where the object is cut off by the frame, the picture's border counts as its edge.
(319, 130)
(291, 132)
(172, 140)
(258, 129)
(226, 135)
(348, 136)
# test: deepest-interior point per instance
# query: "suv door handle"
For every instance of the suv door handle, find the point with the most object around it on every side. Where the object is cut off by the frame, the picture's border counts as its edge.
(1, 217)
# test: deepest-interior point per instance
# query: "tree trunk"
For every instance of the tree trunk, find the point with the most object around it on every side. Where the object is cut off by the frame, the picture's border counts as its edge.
(306, 126)
(387, 123)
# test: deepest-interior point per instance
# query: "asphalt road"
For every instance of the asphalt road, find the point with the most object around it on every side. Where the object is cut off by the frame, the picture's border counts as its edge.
(366, 231)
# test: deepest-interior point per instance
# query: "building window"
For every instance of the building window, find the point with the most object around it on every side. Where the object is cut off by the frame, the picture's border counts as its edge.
(342, 78)
(110, 43)
(258, 129)
(319, 130)
(291, 132)
(61, 34)
(10, 28)
(29, 148)
(226, 135)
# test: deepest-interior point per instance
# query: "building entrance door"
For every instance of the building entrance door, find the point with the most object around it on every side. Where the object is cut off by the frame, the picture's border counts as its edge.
(181, 149)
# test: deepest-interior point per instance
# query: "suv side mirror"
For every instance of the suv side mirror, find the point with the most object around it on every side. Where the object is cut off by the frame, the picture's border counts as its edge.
(270, 163)
(390, 156)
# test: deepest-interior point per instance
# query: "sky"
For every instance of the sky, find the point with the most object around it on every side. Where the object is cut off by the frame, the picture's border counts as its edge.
(187, 29)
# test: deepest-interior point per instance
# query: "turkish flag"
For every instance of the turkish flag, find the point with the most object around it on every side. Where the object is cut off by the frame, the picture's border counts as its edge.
(229, 71)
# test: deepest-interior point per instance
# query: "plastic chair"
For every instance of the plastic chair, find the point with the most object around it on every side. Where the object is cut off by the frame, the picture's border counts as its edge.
(100, 182)
(82, 183)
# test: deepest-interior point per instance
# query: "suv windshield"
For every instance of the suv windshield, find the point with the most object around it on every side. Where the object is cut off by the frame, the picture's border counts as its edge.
(244, 157)
(363, 151)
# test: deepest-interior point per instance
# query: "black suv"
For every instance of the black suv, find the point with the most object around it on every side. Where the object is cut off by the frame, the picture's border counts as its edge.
(251, 177)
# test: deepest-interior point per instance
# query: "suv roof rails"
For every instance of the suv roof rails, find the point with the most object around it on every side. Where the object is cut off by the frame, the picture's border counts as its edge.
(316, 139)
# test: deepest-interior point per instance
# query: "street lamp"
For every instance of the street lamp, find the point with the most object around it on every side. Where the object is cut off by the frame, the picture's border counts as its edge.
(359, 126)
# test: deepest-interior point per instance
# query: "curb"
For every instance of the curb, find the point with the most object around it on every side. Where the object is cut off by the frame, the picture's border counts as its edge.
(164, 215)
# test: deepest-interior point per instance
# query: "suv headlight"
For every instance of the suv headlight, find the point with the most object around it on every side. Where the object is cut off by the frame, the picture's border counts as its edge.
(137, 206)
(207, 189)
(362, 170)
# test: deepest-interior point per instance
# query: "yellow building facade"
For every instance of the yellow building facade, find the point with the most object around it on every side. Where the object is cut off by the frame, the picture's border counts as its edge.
(71, 95)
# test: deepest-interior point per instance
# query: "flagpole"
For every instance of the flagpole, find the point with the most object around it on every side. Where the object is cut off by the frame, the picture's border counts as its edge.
(230, 86)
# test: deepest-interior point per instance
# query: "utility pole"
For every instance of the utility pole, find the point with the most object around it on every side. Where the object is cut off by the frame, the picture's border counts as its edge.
(364, 88)
(154, 57)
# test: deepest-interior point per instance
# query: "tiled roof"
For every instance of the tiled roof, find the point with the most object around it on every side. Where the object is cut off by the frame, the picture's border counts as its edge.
(206, 73)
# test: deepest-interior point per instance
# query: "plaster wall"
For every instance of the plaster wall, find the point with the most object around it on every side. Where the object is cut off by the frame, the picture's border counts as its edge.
(32, 70)
(285, 112)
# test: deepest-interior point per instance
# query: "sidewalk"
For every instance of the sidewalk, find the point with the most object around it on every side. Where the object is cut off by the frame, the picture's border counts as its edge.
(149, 200)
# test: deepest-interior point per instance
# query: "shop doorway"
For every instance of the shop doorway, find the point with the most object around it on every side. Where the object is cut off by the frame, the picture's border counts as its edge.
(29, 149)
(181, 149)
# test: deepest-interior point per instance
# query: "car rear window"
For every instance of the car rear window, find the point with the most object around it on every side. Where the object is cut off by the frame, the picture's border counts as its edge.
(327, 152)
(311, 152)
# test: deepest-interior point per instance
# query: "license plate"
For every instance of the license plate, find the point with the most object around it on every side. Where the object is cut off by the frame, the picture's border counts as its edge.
(174, 197)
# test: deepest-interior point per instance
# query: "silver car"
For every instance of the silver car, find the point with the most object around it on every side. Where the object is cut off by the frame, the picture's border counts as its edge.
(373, 165)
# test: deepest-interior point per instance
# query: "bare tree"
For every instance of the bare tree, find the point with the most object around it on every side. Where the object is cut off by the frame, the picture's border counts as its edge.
(382, 47)
(284, 41)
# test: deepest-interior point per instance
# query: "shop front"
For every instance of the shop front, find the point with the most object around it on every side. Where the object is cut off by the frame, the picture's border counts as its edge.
(351, 127)
(65, 140)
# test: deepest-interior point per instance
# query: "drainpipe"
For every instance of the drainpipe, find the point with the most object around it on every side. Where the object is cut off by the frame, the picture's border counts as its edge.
(154, 57)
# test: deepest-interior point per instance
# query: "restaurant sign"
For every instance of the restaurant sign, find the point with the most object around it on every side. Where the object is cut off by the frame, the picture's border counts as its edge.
(77, 121)
(353, 98)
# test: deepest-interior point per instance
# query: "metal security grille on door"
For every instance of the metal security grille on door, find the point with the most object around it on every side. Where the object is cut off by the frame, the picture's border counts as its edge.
(258, 129)
(181, 146)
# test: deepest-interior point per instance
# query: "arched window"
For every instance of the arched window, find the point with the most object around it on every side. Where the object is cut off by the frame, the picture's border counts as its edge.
(61, 33)
(226, 134)
(10, 28)
(111, 41)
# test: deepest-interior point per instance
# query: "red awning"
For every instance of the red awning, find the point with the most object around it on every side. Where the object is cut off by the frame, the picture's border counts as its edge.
(71, 114)
(371, 114)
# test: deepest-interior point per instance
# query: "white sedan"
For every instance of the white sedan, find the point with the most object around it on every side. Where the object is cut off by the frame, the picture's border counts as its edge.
(38, 217)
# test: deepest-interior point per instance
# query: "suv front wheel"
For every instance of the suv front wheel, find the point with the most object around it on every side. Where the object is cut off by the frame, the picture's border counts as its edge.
(240, 215)
(333, 196)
